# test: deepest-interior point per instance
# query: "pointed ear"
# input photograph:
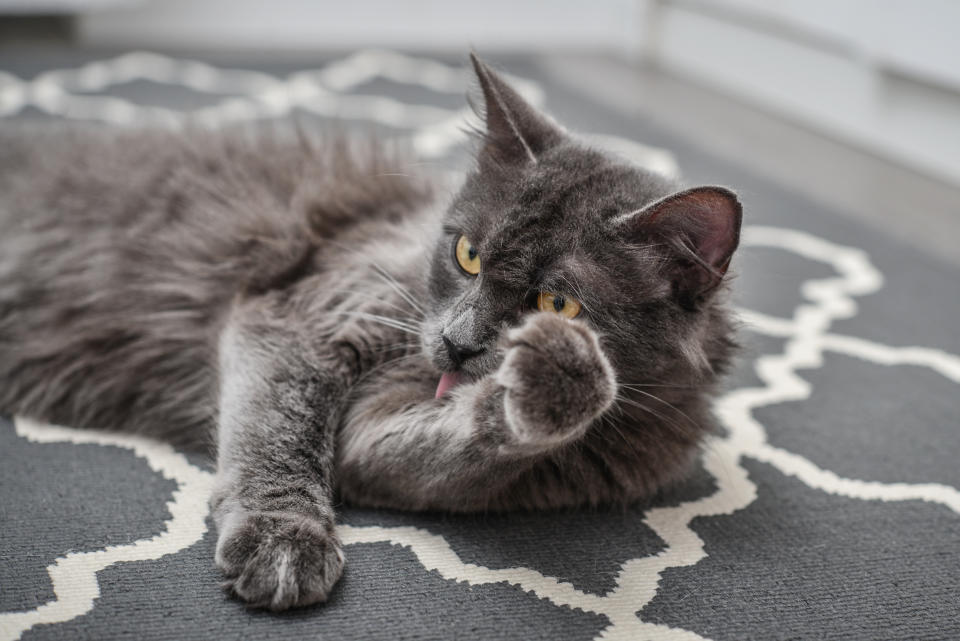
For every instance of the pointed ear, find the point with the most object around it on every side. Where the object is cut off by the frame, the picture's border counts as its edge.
(516, 133)
(703, 226)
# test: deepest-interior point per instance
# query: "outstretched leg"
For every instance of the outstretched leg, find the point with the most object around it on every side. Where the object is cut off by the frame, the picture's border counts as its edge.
(279, 405)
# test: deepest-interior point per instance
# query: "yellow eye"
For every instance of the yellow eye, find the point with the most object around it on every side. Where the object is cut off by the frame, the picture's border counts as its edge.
(467, 256)
(558, 304)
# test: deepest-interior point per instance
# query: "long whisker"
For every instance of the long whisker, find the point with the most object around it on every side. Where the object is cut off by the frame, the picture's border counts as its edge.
(383, 320)
(395, 346)
(404, 294)
(386, 276)
(616, 427)
(670, 405)
(665, 385)
(667, 421)
(378, 299)
(377, 368)
(576, 292)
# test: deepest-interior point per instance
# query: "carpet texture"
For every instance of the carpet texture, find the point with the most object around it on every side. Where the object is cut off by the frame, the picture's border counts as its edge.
(827, 508)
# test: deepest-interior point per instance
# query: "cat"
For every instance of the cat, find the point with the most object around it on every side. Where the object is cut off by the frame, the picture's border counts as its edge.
(550, 338)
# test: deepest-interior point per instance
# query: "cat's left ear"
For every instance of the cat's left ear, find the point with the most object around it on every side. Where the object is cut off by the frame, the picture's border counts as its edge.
(703, 227)
(516, 133)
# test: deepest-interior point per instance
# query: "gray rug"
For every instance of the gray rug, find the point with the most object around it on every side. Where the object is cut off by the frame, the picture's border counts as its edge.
(829, 507)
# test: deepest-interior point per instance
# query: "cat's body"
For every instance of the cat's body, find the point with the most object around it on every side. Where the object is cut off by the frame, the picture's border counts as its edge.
(298, 302)
(124, 251)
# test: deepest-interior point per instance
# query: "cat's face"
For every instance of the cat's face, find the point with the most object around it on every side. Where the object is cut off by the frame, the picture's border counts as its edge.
(547, 225)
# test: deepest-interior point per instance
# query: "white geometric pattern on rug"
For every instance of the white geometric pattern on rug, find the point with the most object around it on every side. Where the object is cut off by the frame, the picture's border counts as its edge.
(807, 333)
(252, 95)
(74, 575)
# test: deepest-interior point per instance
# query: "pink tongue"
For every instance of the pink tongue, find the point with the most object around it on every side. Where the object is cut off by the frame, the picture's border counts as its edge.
(447, 382)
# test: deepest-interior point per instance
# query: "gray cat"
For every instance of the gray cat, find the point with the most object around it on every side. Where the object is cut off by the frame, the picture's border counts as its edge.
(552, 338)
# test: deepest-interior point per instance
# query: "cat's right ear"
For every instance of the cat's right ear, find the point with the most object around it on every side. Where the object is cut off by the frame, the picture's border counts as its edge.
(516, 133)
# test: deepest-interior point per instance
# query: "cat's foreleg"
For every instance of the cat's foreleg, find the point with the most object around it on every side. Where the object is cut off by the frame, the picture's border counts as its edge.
(273, 497)
(463, 451)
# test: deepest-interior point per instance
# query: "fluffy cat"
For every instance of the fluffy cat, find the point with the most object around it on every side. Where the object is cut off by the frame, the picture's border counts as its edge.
(550, 338)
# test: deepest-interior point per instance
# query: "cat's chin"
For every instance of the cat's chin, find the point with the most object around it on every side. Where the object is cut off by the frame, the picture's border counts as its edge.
(448, 381)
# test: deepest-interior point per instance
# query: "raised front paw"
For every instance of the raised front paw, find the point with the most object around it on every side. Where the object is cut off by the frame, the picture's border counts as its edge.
(278, 560)
(557, 379)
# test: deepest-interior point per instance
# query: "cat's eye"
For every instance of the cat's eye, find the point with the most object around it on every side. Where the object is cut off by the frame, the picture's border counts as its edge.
(467, 257)
(558, 304)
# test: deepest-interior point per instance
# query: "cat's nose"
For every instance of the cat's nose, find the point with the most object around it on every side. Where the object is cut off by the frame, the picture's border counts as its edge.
(459, 353)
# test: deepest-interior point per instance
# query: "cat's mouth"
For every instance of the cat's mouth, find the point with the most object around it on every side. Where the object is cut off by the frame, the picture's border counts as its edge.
(448, 381)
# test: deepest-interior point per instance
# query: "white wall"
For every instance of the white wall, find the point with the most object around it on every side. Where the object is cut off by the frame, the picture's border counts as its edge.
(283, 25)
(881, 74)
(56, 7)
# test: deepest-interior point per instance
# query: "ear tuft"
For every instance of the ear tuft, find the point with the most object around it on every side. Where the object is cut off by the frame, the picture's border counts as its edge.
(516, 132)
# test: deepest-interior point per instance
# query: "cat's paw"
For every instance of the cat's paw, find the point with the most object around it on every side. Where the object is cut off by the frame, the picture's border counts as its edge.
(557, 379)
(278, 560)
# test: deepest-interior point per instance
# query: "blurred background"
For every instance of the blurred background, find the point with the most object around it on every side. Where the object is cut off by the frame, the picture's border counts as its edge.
(854, 103)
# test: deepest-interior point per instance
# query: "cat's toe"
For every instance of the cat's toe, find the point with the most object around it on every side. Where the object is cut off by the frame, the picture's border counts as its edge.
(281, 561)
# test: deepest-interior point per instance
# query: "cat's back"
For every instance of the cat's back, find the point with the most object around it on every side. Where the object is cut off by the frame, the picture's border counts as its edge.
(120, 250)
(72, 174)
(90, 174)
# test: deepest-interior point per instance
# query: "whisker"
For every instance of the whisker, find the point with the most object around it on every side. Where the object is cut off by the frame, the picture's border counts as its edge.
(616, 427)
(368, 296)
(386, 319)
(393, 346)
(670, 405)
(404, 294)
(665, 385)
(680, 429)
(577, 291)
(383, 320)
(377, 368)
(386, 276)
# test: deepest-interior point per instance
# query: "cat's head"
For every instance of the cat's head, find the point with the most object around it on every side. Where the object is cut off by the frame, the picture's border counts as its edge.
(546, 223)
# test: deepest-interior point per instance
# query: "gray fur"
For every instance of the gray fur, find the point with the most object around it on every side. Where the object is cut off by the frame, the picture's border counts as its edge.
(286, 299)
